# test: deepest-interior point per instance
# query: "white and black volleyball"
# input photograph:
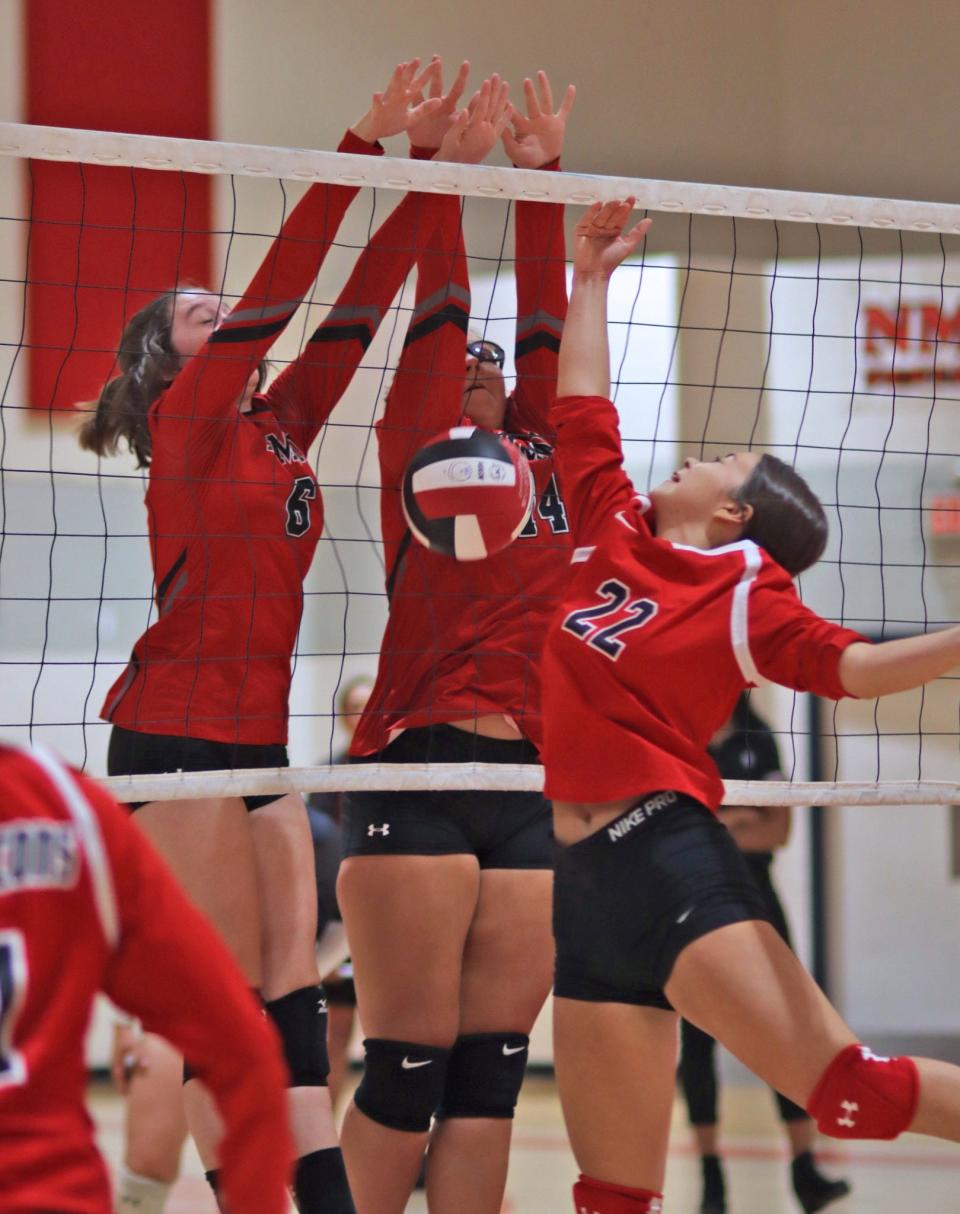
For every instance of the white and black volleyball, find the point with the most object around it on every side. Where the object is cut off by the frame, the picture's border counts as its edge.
(467, 493)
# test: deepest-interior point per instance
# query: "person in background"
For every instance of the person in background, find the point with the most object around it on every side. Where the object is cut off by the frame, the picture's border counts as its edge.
(745, 749)
(87, 905)
(148, 1072)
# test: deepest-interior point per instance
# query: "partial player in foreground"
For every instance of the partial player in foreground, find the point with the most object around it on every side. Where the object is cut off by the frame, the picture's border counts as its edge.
(235, 514)
(676, 602)
(744, 748)
(86, 905)
(446, 896)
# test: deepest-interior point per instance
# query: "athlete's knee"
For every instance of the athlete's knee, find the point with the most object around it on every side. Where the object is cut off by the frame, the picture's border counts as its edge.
(301, 1020)
(402, 1083)
(861, 1095)
(484, 1075)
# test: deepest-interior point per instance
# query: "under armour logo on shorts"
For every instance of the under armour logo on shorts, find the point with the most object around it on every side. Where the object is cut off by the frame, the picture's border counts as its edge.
(378, 830)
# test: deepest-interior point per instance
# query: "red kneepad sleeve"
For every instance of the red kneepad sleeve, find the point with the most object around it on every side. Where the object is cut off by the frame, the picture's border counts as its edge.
(861, 1095)
(598, 1197)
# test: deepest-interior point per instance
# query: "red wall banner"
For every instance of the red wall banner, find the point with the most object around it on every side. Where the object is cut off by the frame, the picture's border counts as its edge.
(103, 241)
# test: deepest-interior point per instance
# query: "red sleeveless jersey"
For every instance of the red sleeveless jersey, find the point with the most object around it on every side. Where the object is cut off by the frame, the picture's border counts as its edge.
(655, 640)
(86, 905)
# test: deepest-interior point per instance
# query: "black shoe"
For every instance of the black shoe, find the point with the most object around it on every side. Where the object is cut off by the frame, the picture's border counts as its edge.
(714, 1190)
(814, 1190)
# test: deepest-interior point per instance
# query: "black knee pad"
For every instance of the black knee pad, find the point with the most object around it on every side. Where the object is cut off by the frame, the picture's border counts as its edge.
(301, 1020)
(402, 1083)
(484, 1075)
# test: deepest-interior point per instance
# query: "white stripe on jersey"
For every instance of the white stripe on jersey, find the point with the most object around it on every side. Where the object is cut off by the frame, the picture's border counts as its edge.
(740, 614)
(740, 607)
(582, 554)
(88, 829)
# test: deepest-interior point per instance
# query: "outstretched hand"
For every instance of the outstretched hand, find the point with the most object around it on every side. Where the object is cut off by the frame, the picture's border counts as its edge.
(538, 138)
(400, 105)
(600, 243)
(430, 127)
(476, 129)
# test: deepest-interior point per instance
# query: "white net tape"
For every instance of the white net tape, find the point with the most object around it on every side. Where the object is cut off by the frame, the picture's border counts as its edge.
(495, 777)
(821, 327)
(485, 181)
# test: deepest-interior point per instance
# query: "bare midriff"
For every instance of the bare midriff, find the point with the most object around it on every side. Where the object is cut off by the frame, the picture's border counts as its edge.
(492, 725)
(575, 820)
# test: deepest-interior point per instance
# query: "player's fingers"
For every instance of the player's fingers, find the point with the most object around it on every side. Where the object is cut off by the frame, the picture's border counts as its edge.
(417, 83)
(510, 142)
(585, 226)
(637, 233)
(459, 84)
(566, 105)
(502, 118)
(530, 95)
(546, 93)
(501, 105)
(424, 109)
(436, 76)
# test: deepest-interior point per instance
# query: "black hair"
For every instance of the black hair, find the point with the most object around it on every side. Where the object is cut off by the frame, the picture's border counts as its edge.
(788, 520)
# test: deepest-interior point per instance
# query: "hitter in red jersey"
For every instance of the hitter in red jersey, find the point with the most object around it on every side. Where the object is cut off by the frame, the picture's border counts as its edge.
(450, 977)
(235, 514)
(675, 604)
(87, 906)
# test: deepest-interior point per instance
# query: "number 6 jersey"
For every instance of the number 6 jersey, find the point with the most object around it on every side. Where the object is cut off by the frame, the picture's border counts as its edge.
(655, 640)
(233, 508)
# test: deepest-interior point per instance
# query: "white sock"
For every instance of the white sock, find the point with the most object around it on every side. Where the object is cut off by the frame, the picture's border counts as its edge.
(139, 1194)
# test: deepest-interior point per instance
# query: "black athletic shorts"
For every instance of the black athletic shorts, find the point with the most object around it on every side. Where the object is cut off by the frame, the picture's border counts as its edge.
(502, 829)
(628, 899)
(132, 753)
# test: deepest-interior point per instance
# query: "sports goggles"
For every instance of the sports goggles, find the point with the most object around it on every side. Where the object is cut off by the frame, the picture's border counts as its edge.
(487, 352)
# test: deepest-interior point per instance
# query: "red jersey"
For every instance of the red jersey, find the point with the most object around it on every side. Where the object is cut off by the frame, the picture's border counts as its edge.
(654, 641)
(234, 511)
(463, 638)
(87, 905)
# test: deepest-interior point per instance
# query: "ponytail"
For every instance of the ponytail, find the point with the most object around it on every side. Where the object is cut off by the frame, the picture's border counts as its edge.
(147, 365)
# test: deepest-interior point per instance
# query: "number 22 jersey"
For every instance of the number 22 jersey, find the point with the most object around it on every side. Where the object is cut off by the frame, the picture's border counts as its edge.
(655, 640)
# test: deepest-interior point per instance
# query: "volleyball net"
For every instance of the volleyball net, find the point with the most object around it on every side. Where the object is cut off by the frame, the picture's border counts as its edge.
(823, 329)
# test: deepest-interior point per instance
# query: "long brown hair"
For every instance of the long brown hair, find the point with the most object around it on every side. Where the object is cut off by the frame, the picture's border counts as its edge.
(147, 365)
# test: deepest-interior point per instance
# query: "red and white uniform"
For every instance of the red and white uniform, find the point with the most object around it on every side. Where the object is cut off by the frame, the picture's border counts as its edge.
(233, 508)
(463, 638)
(86, 905)
(655, 640)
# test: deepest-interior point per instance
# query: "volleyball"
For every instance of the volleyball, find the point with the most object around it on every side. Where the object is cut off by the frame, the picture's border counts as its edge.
(467, 493)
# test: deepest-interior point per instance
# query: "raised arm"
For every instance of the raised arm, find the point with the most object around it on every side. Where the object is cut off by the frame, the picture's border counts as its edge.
(427, 392)
(208, 389)
(600, 245)
(536, 141)
(307, 391)
(588, 447)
